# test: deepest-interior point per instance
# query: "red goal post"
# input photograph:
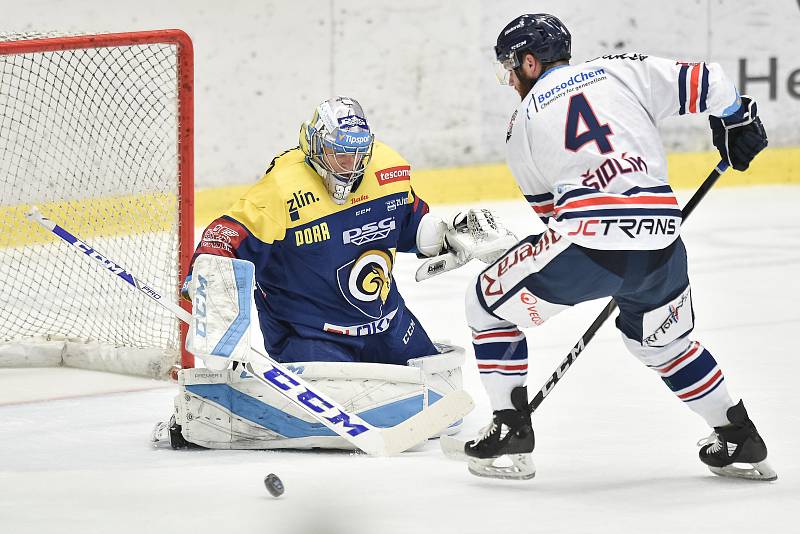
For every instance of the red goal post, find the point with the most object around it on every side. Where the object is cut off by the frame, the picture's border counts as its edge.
(98, 131)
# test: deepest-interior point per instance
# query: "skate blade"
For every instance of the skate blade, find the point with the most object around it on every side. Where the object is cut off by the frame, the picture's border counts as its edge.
(521, 467)
(759, 471)
(159, 437)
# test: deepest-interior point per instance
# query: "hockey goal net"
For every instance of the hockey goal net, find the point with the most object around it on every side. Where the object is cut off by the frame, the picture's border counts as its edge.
(97, 132)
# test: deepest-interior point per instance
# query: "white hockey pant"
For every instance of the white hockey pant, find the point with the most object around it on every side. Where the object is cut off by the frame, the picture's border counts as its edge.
(513, 293)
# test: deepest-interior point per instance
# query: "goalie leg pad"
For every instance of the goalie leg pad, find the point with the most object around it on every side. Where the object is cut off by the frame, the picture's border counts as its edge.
(441, 374)
(430, 235)
(230, 409)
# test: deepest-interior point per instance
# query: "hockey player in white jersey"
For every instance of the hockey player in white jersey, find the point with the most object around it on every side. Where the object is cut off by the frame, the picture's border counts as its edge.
(584, 148)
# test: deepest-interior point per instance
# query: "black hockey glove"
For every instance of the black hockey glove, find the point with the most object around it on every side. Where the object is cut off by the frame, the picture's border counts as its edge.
(740, 136)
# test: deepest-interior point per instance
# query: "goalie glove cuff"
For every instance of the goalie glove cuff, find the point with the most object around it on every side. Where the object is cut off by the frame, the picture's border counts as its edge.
(431, 235)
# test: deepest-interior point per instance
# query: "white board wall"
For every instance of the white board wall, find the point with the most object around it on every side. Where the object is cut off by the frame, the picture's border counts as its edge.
(421, 69)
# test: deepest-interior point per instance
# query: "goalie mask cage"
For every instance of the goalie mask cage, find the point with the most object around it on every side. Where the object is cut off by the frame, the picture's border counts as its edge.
(97, 131)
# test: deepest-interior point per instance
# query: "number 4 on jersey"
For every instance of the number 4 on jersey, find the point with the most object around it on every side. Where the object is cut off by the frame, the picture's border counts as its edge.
(579, 109)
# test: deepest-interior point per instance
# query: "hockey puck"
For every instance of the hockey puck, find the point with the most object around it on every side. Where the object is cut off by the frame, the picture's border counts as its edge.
(274, 485)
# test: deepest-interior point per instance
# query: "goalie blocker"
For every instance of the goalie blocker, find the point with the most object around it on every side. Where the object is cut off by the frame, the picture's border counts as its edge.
(222, 303)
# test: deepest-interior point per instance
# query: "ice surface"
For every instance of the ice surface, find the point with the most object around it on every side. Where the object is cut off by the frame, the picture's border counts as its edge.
(615, 450)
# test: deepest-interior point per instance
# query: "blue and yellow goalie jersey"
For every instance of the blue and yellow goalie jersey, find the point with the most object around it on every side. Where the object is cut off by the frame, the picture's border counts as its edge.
(322, 267)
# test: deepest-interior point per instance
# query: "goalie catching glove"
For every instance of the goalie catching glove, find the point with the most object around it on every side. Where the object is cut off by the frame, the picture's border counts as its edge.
(475, 233)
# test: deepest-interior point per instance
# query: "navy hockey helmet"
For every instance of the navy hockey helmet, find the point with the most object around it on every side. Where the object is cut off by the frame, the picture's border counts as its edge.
(540, 34)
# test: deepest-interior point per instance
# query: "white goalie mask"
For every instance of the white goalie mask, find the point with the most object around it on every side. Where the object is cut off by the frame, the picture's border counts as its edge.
(338, 143)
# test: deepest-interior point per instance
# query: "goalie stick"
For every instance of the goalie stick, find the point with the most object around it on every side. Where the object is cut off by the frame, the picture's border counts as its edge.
(372, 440)
(454, 448)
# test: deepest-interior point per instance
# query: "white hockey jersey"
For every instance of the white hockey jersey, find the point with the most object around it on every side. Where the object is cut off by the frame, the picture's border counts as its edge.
(585, 150)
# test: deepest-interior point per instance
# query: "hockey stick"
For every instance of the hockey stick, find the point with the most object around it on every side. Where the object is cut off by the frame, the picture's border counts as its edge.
(709, 182)
(453, 447)
(372, 440)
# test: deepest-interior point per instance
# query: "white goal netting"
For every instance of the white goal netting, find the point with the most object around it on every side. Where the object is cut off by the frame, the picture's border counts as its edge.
(91, 133)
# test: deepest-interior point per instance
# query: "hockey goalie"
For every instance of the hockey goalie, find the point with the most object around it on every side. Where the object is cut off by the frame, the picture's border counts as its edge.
(311, 247)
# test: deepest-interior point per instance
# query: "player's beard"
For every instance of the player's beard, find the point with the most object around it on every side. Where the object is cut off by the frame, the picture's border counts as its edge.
(524, 83)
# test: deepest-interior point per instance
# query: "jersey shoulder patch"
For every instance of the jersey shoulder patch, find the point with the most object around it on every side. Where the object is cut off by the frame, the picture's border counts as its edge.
(387, 173)
(624, 56)
(274, 203)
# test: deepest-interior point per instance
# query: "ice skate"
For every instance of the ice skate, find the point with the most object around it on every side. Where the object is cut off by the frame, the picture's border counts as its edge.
(503, 449)
(168, 434)
(737, 443)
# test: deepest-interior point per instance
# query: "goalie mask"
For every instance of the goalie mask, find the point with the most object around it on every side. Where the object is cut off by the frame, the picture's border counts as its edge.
(337, 143)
